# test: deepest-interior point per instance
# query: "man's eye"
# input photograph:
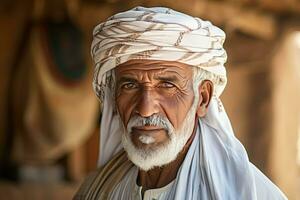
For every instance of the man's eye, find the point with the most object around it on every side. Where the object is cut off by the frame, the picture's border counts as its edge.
(129, 86)
(166, 85)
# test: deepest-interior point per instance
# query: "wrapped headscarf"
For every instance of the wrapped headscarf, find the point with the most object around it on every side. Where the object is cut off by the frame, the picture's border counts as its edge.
(164, 34)
(157, 34)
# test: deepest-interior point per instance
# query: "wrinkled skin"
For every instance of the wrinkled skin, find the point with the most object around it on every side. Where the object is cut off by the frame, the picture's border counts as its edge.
(147, 87)
(154, 88)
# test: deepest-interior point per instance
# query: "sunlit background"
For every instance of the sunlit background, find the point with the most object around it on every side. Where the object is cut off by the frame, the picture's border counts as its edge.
(49, 115)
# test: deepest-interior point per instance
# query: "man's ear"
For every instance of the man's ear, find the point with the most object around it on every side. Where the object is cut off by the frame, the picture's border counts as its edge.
(205, 90)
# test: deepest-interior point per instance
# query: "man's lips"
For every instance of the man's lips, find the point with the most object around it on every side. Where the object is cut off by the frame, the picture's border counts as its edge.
(147, 130)
(158, 134)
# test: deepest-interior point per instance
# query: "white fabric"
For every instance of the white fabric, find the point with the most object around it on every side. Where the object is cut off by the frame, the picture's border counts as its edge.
(204, 178)
(217, 166)
(158, 34)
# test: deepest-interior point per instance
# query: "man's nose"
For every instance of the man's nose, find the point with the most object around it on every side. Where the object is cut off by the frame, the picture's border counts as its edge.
(147, 104)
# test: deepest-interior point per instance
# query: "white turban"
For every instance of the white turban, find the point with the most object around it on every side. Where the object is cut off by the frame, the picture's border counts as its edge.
(158, 34)
(164, 34)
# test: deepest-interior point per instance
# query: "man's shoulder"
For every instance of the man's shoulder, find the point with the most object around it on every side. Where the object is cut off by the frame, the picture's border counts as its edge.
(98, 184)
(84, 189)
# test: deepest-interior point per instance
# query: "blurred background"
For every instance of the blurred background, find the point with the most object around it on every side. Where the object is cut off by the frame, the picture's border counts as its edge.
(49, 115)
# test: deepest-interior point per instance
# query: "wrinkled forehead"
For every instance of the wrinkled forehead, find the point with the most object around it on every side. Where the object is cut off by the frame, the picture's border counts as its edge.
(154, 68)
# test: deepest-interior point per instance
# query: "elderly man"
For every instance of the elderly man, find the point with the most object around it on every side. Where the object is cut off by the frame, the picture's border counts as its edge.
(159, 74)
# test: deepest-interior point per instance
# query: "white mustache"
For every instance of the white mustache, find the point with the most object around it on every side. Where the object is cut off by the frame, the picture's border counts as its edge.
(153, 120)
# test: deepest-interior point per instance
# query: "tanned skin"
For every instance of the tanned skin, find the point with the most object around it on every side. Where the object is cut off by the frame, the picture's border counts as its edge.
(147, 87)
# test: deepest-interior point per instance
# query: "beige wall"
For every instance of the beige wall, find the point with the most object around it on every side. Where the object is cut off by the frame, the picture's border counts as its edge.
(286, 116)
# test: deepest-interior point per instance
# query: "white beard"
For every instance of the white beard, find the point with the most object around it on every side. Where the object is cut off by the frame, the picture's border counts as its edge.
(147, 159)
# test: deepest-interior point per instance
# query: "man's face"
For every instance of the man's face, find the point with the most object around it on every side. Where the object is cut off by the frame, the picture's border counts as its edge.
(146, 88)
(155, 102)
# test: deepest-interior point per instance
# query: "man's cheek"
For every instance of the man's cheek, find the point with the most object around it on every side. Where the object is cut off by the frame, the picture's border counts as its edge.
(125, 109)
(177, 105)
(121, 110)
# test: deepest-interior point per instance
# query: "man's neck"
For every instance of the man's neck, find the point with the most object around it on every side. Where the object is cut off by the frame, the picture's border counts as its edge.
(161, 176)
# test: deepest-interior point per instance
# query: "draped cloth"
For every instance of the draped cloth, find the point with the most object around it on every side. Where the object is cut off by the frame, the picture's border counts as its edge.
(186, 186)
(157, 34)
(218, 166)
(48, 85)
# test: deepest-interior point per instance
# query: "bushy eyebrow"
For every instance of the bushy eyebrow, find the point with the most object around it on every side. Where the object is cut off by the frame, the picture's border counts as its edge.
(158, 77)
(126, 79)
(171, 78)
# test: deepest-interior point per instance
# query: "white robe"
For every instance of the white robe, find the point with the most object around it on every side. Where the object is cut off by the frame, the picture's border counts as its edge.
(193, 180)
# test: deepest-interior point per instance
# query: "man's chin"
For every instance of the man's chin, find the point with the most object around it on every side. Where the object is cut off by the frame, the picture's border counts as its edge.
(157, 154)
(149, 156)
(147, 164)
(150, 147)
